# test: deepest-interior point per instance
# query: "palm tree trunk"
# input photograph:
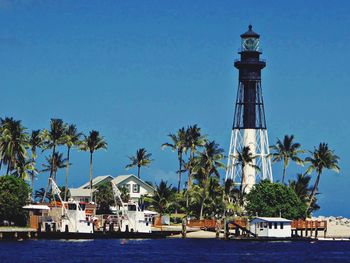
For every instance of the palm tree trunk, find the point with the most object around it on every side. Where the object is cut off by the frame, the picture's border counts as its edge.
(67, 171)
(189, 181)
(242, 181)
(180, 168)
(203, 199)
(284, 174)
(32, 186)
(91, 176)
(138, 171)
(314, 190)
(51, 173)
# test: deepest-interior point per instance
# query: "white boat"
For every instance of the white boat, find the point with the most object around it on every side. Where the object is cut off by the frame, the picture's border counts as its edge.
(70, 216)
(128, 217)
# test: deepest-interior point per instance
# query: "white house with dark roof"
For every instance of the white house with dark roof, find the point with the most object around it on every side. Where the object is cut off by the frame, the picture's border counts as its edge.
(135, 186)
(271, 227)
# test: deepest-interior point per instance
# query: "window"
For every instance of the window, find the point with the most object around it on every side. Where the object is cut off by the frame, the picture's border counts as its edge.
(135, 188)
(281, 224)
(275, 225)
(270, 225)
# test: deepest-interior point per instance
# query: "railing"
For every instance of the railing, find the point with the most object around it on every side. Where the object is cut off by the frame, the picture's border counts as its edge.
(212, 223)
(309, 224)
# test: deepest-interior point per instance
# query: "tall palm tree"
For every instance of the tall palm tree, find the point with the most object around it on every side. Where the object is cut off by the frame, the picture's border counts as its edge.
(285, 151)
(245, 158)
(71, 139)
(92, 143)
(194, 140)
(52, 139)
(301, 187)
(206, 165)
(178, 144)
(14, 141)
(35, 142)
(321, 158)
(142, 158)
(59, 162)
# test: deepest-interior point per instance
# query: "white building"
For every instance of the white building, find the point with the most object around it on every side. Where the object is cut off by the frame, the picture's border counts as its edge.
(271, 227)
(135, 186)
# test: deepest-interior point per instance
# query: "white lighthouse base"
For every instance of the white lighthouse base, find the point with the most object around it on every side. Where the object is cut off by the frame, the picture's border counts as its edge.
(257, 140)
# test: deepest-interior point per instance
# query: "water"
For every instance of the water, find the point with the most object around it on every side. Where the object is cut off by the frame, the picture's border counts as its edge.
(172, 250)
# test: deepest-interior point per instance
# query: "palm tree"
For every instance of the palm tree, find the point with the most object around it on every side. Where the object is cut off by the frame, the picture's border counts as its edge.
(207, 164)
(321, 158)
(245, 158)
(194, 140)
(42, 194)
(71, 139)
(178, 144)
(35, 141)
(142, 158)
(92, 143)
(58, 161)
(162, 198)
(286, 150)
(13, 144)
(53, 138)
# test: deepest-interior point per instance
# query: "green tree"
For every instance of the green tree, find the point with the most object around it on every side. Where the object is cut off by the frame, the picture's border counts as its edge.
(142, 158)
(274, 199)
(194, 140)
(92, 143)
(35, 142)
(40, 194)
(14, 194)
(59, 162)
(52, 139)
(162, 198)
(321, 158)
(285, 151)
(207, 164)
(104, 198)
(178, 143)
(13, 143)
(302, 188)
(71, 139)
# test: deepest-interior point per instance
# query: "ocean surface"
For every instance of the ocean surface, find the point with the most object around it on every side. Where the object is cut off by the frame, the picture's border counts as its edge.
(172, 250)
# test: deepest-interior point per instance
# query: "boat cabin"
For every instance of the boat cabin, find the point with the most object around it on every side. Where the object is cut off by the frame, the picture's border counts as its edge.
(271, 227)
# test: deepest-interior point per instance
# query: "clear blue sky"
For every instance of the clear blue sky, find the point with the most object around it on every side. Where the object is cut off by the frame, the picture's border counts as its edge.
(137, 70)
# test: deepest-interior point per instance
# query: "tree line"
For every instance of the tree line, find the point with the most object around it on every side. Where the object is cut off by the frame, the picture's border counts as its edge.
(199, 159)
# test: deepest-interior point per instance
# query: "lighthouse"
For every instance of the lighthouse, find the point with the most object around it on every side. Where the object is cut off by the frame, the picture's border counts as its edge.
(249, 123)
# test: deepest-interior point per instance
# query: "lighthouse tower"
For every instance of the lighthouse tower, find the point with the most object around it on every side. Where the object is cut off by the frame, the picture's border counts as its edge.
(249, 124)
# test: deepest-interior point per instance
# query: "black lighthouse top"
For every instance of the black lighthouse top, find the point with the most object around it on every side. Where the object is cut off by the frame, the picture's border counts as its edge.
(250, 33)
(250, 40)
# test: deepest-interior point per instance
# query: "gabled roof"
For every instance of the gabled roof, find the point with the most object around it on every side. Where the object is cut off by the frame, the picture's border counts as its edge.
(270, 219)
(80, 192)
(96, 180)
(121, 178)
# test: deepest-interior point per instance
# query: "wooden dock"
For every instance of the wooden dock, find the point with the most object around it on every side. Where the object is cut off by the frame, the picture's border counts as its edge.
(308, 228)
(17, 233)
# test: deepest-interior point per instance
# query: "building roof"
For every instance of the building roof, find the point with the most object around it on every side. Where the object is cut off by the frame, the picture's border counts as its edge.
(121, 178)
(96, 181)
(270, 219)
(80, 192)
(36, 207)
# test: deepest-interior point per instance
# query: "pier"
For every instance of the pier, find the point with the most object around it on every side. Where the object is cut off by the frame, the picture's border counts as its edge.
(17, 233)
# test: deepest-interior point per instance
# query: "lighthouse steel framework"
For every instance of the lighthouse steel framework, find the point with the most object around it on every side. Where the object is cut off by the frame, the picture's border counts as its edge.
(249, 124)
